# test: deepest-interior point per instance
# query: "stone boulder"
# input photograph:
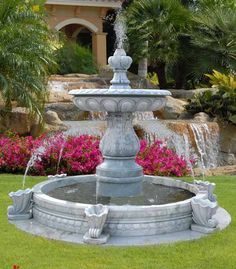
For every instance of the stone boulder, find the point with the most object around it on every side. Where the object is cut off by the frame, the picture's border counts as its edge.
(18, 121)
(67, 111)
(228, 138)
(59, 97)
(227, 144)
(173, 109)
(201, 117)
(218, 171)
(59, 86)
(53, 123)
(188, 94)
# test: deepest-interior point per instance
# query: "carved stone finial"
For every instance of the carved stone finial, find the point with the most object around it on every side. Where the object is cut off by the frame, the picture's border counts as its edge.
(22, 205)
(120, 63)
(96, 216)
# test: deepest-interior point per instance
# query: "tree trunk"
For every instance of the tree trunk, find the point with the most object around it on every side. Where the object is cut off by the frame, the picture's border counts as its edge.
(180, 75)
(160, 69)
(142, 68)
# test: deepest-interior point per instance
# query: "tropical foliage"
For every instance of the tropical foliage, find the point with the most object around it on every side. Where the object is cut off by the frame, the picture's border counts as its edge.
(26, 54)
(154, 28)
(214, 38)
(221, 101)
(227, 83)
(183, 39)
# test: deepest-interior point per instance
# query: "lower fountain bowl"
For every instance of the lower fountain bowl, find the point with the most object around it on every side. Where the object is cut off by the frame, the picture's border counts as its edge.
(123, 220)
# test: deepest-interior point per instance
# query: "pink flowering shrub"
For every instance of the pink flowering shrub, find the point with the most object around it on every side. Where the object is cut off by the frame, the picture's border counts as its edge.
(15, 152)
(79, 155)
(158, 160)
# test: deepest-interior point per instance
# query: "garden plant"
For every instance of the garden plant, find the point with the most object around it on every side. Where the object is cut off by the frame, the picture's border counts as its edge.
(220, 102)
(26, 54)
(80, 155)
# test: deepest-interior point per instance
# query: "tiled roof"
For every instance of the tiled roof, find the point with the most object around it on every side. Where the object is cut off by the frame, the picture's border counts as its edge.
(97, 3)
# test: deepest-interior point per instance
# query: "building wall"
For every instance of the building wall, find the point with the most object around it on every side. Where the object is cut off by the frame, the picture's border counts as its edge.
(91, 17)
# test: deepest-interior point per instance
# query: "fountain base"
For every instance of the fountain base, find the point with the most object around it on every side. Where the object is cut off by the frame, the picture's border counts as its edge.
(130, 221)
(119, 177)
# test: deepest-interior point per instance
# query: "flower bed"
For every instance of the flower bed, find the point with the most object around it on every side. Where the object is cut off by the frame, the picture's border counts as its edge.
(79, 155)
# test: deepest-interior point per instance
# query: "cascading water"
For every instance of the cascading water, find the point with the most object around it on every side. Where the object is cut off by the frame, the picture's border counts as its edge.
(207, 144)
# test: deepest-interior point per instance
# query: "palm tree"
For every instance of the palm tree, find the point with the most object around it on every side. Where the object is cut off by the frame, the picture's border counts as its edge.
(214, 36)
(26, 54)
(209, 44)
(158, 23)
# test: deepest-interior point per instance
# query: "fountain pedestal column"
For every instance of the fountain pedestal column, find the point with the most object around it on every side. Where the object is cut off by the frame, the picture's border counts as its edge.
(119, 175)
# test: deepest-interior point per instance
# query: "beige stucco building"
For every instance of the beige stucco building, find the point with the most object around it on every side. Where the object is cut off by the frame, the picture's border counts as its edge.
(83, 20)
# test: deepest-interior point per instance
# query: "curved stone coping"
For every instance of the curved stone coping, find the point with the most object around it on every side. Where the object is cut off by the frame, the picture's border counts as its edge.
(120, 92)
(126, 220)
(34, 227)
(119, 100)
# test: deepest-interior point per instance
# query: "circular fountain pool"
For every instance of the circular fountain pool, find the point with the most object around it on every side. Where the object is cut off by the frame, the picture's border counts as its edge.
(157, 213)
(152, 194)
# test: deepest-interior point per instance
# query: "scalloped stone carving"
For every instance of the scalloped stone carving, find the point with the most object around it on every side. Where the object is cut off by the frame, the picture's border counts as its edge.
(22, 204)
(119, 103)
(96, 216)
(203, 212)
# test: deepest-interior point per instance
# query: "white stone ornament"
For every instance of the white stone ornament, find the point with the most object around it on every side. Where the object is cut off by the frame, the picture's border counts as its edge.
(96, 216)
(203, 212)
(22, 205)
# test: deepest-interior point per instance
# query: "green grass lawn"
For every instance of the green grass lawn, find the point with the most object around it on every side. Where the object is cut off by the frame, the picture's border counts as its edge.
(30, 252)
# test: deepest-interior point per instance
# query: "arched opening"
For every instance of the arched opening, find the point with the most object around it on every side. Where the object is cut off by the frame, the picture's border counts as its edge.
(78, 33)
(93, 28)
(87, 34)
(84, 38)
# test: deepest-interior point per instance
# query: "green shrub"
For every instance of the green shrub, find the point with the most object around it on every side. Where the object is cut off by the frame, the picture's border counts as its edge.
(26, 54)
(220, 103)
(73, 58)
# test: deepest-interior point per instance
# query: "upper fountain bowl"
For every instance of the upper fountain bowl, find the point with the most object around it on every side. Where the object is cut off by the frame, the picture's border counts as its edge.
(119, 97)
(122, 100)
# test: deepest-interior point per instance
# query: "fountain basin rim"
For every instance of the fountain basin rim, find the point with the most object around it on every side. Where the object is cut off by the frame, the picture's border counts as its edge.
(40, 191)
(123, 220)
(120, 92)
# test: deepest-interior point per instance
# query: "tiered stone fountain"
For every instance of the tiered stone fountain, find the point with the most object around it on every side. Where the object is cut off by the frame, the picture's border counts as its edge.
(119, 201)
